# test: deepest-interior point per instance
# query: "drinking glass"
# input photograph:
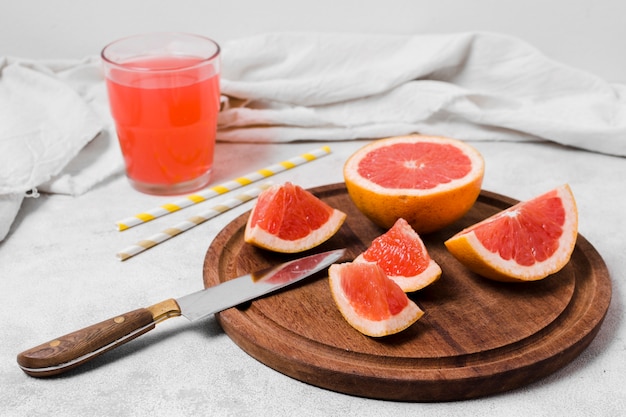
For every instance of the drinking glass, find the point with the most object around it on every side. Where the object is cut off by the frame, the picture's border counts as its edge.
(164, 97)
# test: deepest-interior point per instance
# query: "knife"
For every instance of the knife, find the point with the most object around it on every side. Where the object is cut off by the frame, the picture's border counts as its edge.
(74, 349)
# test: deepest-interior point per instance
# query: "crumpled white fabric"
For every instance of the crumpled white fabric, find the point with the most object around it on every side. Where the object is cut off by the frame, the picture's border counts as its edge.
(52, 131)
(471, 86)
(56, 133)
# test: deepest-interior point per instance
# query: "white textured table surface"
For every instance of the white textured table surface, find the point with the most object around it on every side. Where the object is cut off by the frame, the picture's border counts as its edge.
(58, 273)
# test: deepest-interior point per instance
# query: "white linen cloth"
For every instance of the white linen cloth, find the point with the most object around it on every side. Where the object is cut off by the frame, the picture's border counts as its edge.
(471, 86)
(53, 131)
(56, 134)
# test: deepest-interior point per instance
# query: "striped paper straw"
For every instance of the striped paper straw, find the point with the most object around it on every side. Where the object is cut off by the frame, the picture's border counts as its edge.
(190, 222)
(221, 188)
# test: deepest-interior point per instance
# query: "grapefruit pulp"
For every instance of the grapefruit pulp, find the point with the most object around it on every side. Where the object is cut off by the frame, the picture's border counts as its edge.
(429, 181)
(369, 301)
(287, 218)
(402, 255)
(526, 242)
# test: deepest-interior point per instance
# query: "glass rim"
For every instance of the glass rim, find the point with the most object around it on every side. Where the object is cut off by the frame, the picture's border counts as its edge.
(117, 64)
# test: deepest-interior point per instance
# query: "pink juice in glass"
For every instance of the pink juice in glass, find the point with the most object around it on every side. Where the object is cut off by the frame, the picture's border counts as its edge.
(165, 118)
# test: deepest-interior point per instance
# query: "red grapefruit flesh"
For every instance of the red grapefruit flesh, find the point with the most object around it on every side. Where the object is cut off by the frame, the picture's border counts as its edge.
(429, 181)
(287, 218)
(402, 255)
(369, 301)
(526, 242)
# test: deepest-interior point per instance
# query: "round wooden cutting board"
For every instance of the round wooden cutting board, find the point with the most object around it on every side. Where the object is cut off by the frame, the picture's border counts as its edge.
(477, 337)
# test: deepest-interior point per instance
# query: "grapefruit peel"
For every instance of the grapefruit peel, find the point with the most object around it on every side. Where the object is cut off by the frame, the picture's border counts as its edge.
(401, 253)
(429, 181)
(289, 219)
(369, 301)
(467, 247)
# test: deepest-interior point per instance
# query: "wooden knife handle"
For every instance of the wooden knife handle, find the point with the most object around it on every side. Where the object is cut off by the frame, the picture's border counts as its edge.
(73, 349)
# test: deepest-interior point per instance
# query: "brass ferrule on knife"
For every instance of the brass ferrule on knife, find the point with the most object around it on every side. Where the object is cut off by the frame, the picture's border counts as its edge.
(164, 310)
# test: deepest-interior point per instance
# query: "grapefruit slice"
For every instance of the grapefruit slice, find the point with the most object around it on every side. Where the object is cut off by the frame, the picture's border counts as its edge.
(526, 242)
(287, 218)
(369, 301)
(429, 181)
(402, 255)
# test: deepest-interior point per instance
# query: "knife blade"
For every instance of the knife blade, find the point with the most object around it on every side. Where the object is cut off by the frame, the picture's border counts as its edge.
(76, 348)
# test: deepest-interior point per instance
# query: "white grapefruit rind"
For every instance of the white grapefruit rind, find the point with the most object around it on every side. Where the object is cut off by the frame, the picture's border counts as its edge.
(351, 166)
(261, 238)
(416, 282)
(539, 270)
(409, 315)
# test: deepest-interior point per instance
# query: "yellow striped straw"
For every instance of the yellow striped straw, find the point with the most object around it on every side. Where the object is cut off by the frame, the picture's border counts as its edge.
(194, 221)
(221, 188)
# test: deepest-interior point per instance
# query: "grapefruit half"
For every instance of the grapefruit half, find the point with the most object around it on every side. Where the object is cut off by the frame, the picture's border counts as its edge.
(429, 181)
(369, 301)
(402, 255)
(526, 242)
(287, 218)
